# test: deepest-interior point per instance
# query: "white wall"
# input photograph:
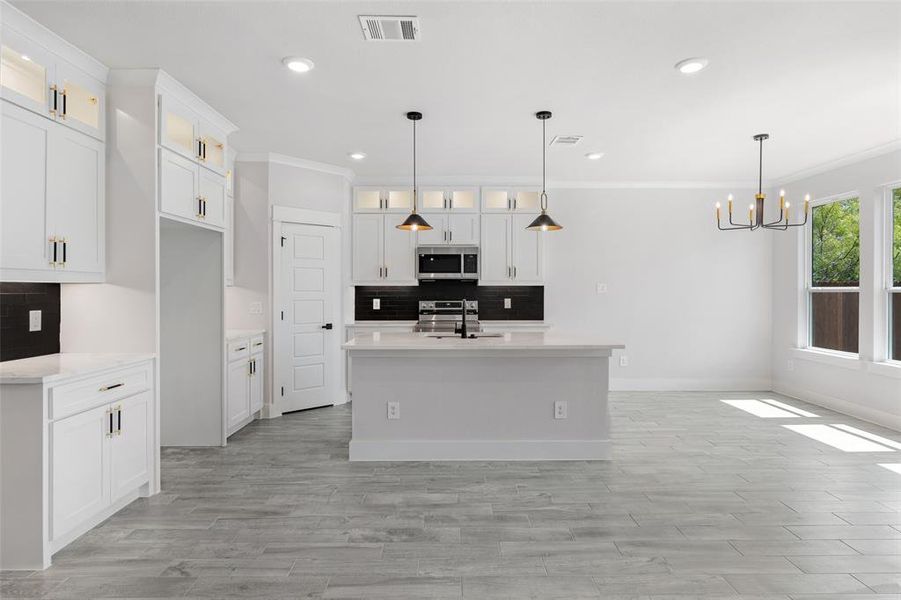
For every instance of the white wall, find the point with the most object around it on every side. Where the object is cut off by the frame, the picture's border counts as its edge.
(851, 386)
(691, 303)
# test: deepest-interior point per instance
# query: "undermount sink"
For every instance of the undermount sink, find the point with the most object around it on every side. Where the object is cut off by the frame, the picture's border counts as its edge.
(471, 336)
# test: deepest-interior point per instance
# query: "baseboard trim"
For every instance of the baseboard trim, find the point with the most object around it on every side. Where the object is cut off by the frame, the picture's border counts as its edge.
(864, 413)
(505, 450)
(621, 384)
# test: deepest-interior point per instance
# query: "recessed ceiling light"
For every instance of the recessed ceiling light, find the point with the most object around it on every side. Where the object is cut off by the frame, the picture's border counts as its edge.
(689, 66)
(298, 64)
(594, 155)
(357, 155)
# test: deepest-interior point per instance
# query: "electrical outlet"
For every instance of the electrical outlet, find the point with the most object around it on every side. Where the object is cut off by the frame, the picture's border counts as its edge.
(256, 308)
(789, 365)
(507, 303)
(601, 288)
(34, 320)
(624, 361)
(376, 304)
(393, 409)
(560, 409)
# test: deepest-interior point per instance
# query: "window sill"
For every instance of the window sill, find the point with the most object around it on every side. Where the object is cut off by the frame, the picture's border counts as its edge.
(889, 368)
(844, 360)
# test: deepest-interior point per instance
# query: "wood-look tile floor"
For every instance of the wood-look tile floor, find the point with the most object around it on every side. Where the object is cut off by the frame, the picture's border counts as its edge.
(702, 500)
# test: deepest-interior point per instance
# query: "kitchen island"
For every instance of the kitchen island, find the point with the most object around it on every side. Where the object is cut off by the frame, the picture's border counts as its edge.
(513, 396)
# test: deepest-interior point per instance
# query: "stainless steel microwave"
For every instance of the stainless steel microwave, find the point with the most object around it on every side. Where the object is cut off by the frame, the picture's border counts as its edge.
(447, 262)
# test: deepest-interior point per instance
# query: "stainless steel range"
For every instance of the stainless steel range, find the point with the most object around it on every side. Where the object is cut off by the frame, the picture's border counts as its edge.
(446, 316)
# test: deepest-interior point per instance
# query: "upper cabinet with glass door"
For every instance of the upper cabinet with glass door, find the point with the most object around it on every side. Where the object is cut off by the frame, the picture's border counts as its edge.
(511, 199)
(449, 199)
(44, 82)
(382, 199)
(184, 131)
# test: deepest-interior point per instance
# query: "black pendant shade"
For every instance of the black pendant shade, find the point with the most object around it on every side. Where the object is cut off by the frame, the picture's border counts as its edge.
(544, 222)
(414, 222)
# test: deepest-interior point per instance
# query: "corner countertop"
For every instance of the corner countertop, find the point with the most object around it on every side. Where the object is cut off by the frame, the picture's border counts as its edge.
(389, 341)
(53, 367)
(234, 334)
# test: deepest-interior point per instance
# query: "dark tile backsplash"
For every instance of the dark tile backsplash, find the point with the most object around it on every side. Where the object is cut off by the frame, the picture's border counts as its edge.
(402, 303)
(16, 299)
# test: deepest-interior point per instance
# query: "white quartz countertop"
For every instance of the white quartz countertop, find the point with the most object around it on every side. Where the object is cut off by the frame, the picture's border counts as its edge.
(488, 323)
(53, 367)
(508, 341)
(234, 334)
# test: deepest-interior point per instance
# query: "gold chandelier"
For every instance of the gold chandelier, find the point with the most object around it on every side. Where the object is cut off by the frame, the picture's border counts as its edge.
(755, 210)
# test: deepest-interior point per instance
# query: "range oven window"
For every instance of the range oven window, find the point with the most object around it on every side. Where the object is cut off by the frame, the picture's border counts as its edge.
(440, 263)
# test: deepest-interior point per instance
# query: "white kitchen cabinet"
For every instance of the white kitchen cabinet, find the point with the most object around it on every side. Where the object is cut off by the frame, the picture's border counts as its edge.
(382, 199)
(383, 254)
(510, 254)
(450, 229)
(244, 380)
(511, 199)
(191, 192)
(184, 131)
(211, 187)
(78, 443)
(49, 84)
(230, 164)
(80, 463)
(453, 199)
(51, 200)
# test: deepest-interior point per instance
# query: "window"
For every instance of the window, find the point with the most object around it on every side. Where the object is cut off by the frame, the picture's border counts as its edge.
(834, 275)
(894, 277)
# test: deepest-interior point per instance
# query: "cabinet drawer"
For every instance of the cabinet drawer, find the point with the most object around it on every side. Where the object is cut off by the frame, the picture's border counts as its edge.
(238, 349)
(256, 345)
(71, 398)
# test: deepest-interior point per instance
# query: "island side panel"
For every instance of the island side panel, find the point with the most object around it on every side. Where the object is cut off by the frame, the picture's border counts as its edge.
(486, 407)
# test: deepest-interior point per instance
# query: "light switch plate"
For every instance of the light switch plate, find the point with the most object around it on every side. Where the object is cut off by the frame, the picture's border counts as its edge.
(601, 288)
(256, 308)
(376, 304)
(560, 409)
(624, 361)
(393, 409)
(507, 303)
(34, 320)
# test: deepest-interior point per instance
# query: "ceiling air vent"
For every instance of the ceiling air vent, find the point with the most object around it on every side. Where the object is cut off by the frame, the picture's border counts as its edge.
(389, 28)
(565, 140)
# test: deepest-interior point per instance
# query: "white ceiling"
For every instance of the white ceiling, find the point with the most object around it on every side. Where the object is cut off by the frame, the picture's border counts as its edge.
(821, 77)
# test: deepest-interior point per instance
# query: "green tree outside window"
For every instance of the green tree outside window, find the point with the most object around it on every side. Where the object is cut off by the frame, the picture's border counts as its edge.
(836, 243)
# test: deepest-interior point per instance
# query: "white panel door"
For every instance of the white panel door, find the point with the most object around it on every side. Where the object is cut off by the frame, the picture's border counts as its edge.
(211, 187)
(527, 251)
(178, 186)
(130, 446)
(79, 468)
(437, 235)
(367, 248)
(463, 229)
(256, 383)
(75, 191)
(308, 350)
(24, 145)
(400, 250)
(237, 401)
(495, 248)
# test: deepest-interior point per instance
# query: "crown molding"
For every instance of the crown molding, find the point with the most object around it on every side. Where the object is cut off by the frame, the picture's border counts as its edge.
(844, 161)
(561, 184)
(300, 163)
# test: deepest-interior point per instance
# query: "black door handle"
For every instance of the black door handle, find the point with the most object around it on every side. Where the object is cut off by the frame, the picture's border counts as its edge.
(327, 326)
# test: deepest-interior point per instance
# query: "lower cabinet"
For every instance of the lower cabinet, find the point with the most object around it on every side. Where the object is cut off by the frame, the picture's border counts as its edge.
(244, 381)
(74, 449)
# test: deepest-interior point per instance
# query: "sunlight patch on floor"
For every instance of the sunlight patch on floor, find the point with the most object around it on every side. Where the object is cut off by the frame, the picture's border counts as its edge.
(896, 467)
(838, 438)
(761, 409)
(788, 407)
(870, 436)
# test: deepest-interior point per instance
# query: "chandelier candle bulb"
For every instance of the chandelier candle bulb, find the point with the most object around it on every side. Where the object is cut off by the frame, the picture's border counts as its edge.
(788, 206)
(717, 211)
(730, 203)
(806, 203)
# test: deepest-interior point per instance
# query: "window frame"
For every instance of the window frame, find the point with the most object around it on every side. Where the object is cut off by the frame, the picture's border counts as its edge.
(809, 289)
(888, 287)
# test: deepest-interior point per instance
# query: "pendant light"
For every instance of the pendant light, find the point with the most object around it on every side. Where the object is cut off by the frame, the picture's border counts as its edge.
(414, 222)
(543, 222)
